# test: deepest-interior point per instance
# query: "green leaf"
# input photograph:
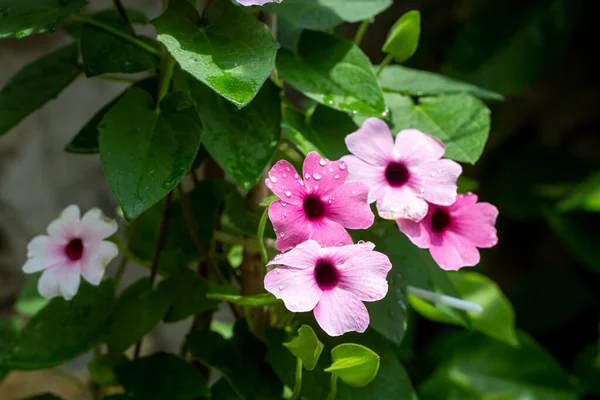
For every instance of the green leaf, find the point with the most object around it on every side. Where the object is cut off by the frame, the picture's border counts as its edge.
(414, 82)
(190, 295)
(240, 360)
(507, 44)
(491, 368)
(242, 141)
(256, 300)
(403, 37)
(497, 319)
(23, 18)
(306, 346)
(146, 151)
(324, 14)
(229, 50)
(586, 196)
(235, 255)
(354, 364)
(63, 330)
(162, 376)
(9, 329)
(102, 52)
(37, 83)
(101, 369)
(109, 15)
(29, 301)
(138, 310)
(587, 370)
(462, 122)
(336, 73)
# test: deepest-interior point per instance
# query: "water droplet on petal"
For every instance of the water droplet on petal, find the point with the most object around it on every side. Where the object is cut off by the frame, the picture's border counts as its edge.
(278, 270)
(432, 173)
(317, 176)
(330, 169)
(342, 165)
(269, 185)
(288, 193)
(299, 246)
(284, 175)
(287, 169)
(280, 287)
(283, 203)
(296, 176)
(361, 242)
(301, 182)
(285, 214)
(330, 201)
(282, 234)
(307, 176)
(336, 177)
(273, 179)
(316, 187)
(322, 162)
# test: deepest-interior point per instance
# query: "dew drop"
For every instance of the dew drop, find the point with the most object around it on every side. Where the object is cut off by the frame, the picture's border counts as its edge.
(284, 175)
(317, 176)
(361, 242)
(301, 182)
(287, 169)
(288, 193)
(336, 176)
(354, 112)
(307, 176)
(282, 234)
(316, 187)
(322, 162)
(299, 246)
(285, 214)
(354, 192)
(342, 165)
(273, 179)
(432, 173)
(278, 270)
(280, 287)
(330, 102)
(330, 201)
(296, 176)
(269, 184)
(283, 203)
(330, 169)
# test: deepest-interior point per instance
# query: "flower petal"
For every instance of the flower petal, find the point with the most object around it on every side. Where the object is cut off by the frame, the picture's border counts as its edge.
(476, 224)
(97, 258)
(65, 226)
(321, 176)
(416, 231)
(95, 226)
(401, 203)
(296, 287)
(414, 147)
(365, 276)
(348, 206)
(285, 182)
(339, 311)
(289, 223)
(59, 281)
(340, 254)
(304, 255)
(372, 142)
(436, 180)
(371, 175)
(454, 252)
(329, 233)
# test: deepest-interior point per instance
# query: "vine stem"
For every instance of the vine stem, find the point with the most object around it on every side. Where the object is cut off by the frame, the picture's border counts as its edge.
(124, 16)
(298, 383)
(116, 32)
(333, 391)
(388, 59)
(260, 234)
(360, 33)
(167, 65)
(444, 299)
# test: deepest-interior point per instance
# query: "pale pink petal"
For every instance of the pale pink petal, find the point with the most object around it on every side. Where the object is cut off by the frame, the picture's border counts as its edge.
(339, 311)
(365, 276)
(96, 259)
(436, 180)
(285, 182)
(454, 252)
(44, 246)
(95, 226)
(371, 175)
(256, 2)
(416, 231)
(463, 201)
(289, 223)
(372, 142)
(476, 224)
(348, 205)
(413, 147)
(59, 281)
(401, 203)
(340, 254)
(65, 226)
(321, 175)
(304, 255)
(329, 233)
(296, 287)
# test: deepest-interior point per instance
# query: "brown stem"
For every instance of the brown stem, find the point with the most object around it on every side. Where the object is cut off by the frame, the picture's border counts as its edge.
(124, 16)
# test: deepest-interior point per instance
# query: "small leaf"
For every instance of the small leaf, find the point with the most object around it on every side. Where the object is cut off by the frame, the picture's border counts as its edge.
(354, 364)
(403, 37)
(235, 255)
(23, 18)
(37, 83)
(229, 50)
(586, 196)
(189, 295)
(145, 152)
(256, 300)
(306, 346)
(336, 74)
(30, 302)
(101, 369)
(162, 376)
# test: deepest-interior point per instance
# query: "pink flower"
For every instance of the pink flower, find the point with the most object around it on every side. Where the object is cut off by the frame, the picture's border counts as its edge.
(331, 281)
(257, 2)
(404, 176)
(317, 207)
(72, 247)
(453, 234)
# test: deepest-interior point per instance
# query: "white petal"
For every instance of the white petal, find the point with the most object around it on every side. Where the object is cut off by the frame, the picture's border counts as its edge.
(66, 225)
(94, 264)
(95, 226)
(59, 281)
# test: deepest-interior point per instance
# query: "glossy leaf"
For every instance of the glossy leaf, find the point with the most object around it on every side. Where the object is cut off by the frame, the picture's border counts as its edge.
(324, 14)
(229, 50)
(23, 18)
(240, 360)
(190, 295)
(586, 196)
(37, 83)
(145, 152)
(162, 376)
(462, 122)
(354, 364)
(63, 330)
(336, 73)
(414, 82)
(306, 346)
(242, 141)
(403, 37)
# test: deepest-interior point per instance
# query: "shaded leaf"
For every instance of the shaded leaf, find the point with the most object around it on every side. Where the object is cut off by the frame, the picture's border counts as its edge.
(30, 302)
(189, 295)
(354, 364)
(110, 15)
(586, 196)
(101, 369)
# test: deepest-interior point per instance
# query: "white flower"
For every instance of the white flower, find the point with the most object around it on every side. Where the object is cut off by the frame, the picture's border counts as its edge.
(74, 246)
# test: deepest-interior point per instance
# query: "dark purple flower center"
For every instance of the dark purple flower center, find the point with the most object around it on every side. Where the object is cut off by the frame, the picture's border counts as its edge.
(396, 174)
(326, 275)
(74, 249)
(440, 220)
(314, 208)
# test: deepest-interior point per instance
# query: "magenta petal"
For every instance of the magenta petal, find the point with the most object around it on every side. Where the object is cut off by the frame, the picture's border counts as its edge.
(414, 147)
(329, 233)
(416, 231)
(476, 224)
(401, 203)
(289, 223)
(285, 182)
(339, 311)
(296, 287)
(454, 252)
(371, 175)
(304, 255)
(437, 180)
(365, 276)
(321, 175)
(372, 142)
(348, 206)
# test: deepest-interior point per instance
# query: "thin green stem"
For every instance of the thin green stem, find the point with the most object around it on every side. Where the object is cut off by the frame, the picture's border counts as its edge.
(124, 16)
(333, 391)
(116, 32)
(361, 31)
(388, 59)
(260, 234)
(166, 74)
(298, 383)
(120, 271)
